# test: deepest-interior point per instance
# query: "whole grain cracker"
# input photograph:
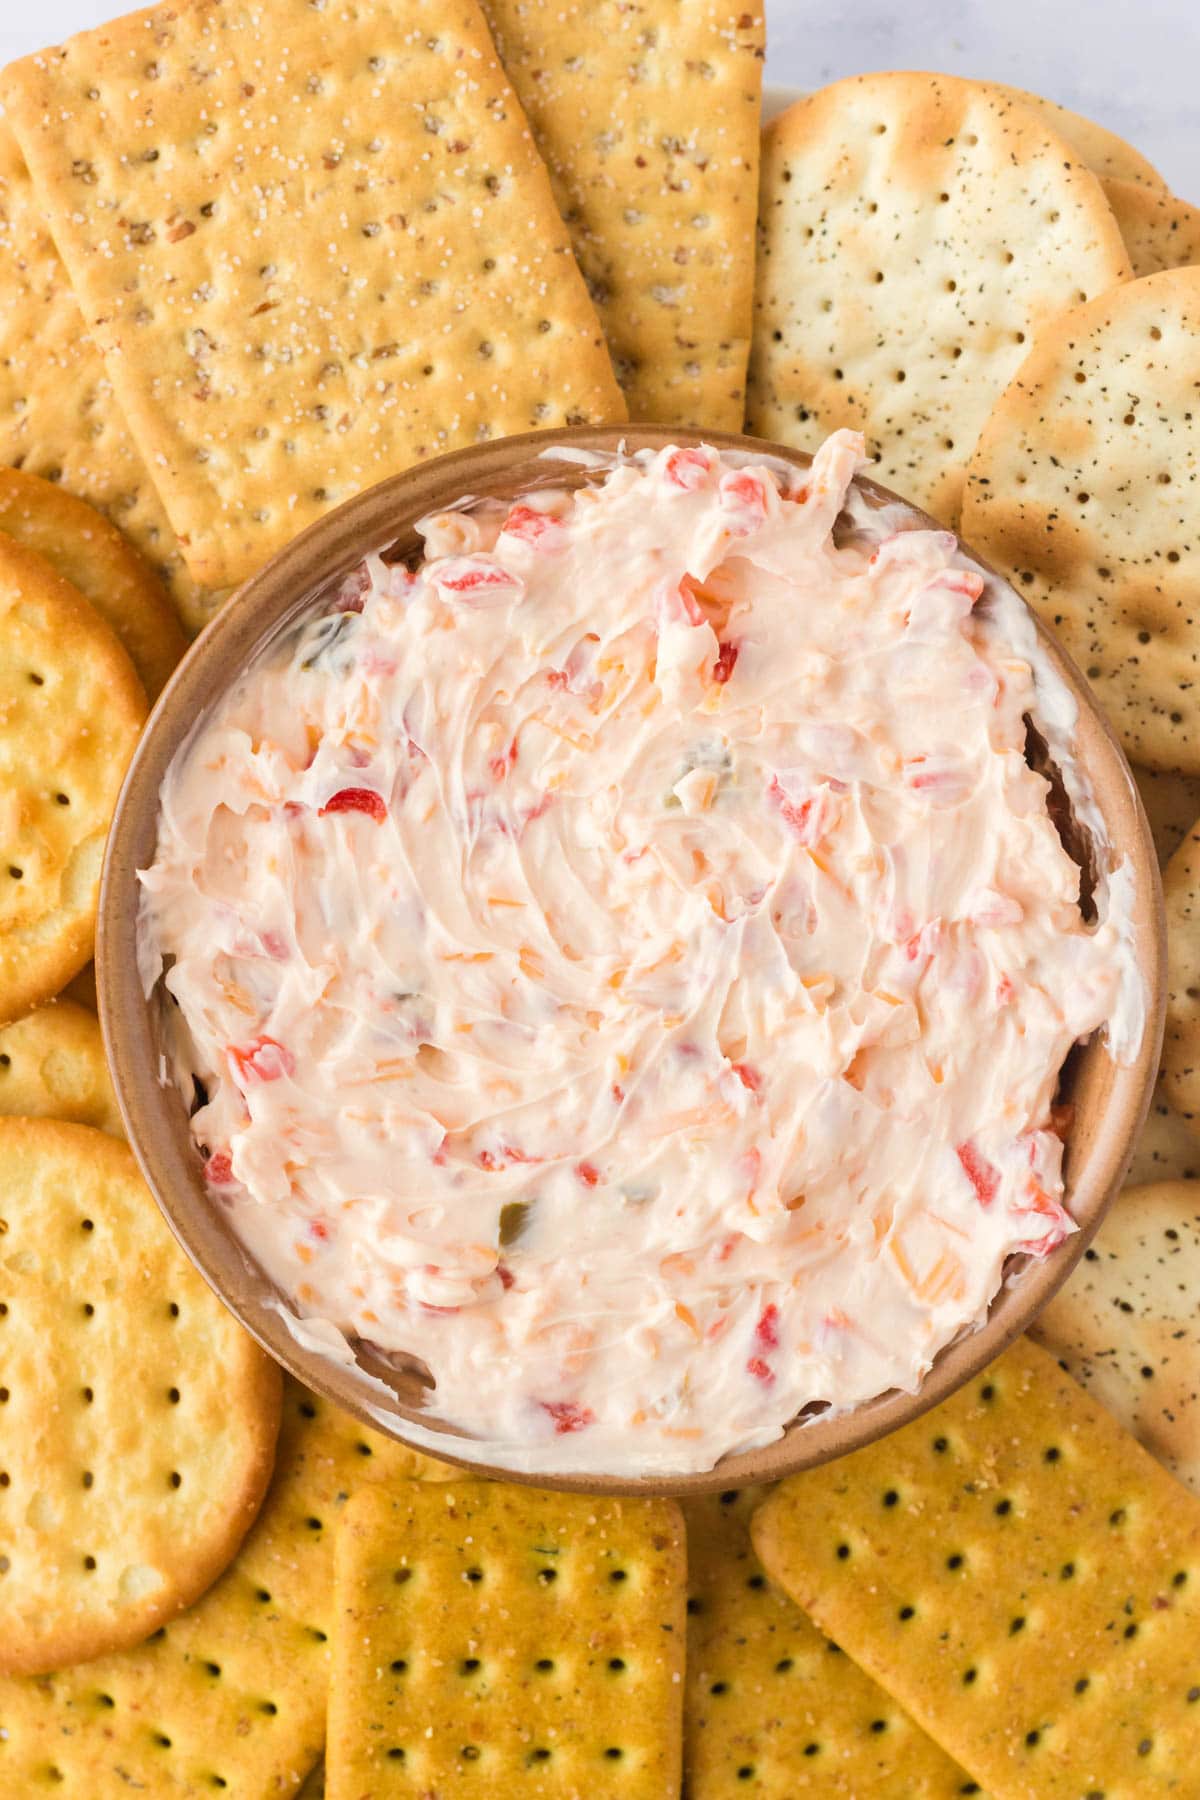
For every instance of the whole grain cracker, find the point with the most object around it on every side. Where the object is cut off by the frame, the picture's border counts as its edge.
(1022, 1576)
(71, 709)
(1085, 488)
(1180, 1074)
(648, 119)
(92, 554)
(1098, 148)
(332, 255)
(52, 1066)
(915, 232)
(139, 1418)
(771, 1707)
(58, 416)
(500, 1639)
(1125, 1323)
(231, 1695)
(1160, 232)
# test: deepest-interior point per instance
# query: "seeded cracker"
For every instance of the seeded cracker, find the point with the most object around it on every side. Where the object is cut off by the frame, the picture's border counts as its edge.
(331, 255)
(916, 232)
(58, 417)
(772, 1704)
(232, 1694)
(1085, 488)
(52, 1066)
(648, 118)
(1021, 1576)
(503, 1640)
(1160, 231)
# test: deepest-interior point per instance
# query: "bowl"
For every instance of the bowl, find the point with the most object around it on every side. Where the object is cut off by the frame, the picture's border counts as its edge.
(1110, 1101)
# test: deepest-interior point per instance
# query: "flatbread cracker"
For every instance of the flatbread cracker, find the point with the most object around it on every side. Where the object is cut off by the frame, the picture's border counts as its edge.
(71, 709)
(58, 417)
(1084, 488)
(915, 232)
(1022, 1576)
(264, 382)
(52, 1066)
(1180, 1075)
(501, 1639)
(648, 119)
(139, 1418)
(770, 1702)
(110, 574)
(1160, 231)
(1125, 1324)
(231, 1695)
(1098, 148)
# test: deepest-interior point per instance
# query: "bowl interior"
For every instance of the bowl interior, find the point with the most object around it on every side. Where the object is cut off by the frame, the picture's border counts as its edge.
(1110, 1101)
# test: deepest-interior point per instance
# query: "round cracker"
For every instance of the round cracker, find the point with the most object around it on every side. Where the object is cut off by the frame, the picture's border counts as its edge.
(915, 232)
(139, 1418)
(52, 1066)
(1172, 803)
(91, 553)
(1085, 488)
(1167, 1149)
(1125, 1324)
(1160, 232)
(71, 708)
(1180, 1077)
(1098, 148)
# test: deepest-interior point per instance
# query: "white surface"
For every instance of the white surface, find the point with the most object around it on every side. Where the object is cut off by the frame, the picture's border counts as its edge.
(1132, 64)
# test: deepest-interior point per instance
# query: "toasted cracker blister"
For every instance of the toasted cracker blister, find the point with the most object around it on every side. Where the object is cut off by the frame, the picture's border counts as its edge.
(501, 1639)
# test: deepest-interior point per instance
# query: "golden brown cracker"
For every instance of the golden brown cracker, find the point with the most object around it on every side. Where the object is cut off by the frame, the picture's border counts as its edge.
(71, 709)
(52, 1066)
(915, 233)
(1180, 1074)
(139, 1418)
(300, 279)
(1160, 231)
(648, 119)
(1098, 148)
(1021, 1576)
(501, 1639)
(1085, 487)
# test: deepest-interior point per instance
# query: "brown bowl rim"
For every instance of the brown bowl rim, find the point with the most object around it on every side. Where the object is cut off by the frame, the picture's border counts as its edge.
(330, 547)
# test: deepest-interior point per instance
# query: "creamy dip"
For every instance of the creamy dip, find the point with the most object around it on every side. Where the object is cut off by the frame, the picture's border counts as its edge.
(629, 959)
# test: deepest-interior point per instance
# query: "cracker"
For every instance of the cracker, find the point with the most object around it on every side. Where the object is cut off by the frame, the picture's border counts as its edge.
(648, 119)
(139, 1418)
(333, 255)
(499, 1639)
(71, 709)
(1125, 1324)
(772, 1704)
(82, 987)
(1167, 1149)
(1097, 148)
(58, 417)
(110, 574)
(916, 231)
(1180, 1074)
(232, 1694)
(1172, 803)
(52, 1066)
(1160, 231)
(1084, 488)
(1021, 1576)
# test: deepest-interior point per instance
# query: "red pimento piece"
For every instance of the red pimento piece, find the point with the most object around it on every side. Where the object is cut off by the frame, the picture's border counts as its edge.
(588, 1173)
(748, 1076)
(983, 1175)
(729, 1246)
(1006, 993)
(618, 1093)
(533, 527)
(476, 578)
(687, 469)
(761, 1371)
(218, 1170)
(557, 678)
(568, 1415)
(766, 1332)
(486, 1160)
(507, 1278)
(723, 668)
(800, 818)
(266, 1059)
(318, 1229)
(744, 495)
(363, 800)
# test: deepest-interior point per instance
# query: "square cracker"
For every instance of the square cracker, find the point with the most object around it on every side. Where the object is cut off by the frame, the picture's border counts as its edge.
(232, 1694)
(1021, 1576)
(501, 1640)
(648, 118)
(770, 1703)
(58, 415)
(315, 243)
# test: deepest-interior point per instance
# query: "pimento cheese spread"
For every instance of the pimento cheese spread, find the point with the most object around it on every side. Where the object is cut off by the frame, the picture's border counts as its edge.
(628, 958)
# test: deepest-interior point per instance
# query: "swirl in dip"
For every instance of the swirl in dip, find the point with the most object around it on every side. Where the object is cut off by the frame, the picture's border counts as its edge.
(629, 959)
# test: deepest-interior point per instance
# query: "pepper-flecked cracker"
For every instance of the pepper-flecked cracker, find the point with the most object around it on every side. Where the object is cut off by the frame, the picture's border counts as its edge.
(1172, 803)
(1167, 1149)
(1160, 231)
(314, 244)
(1024, 1579)
(1125, 1324)
(648, 119)
(71, 709)
(771, 1707)
(1180, 1073)
(1098, 148)
(1085, 488)
(58, 416)
(139, 1419)
(915, 233)
(52, 1066)
(503, 1640)
(231, 1695)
